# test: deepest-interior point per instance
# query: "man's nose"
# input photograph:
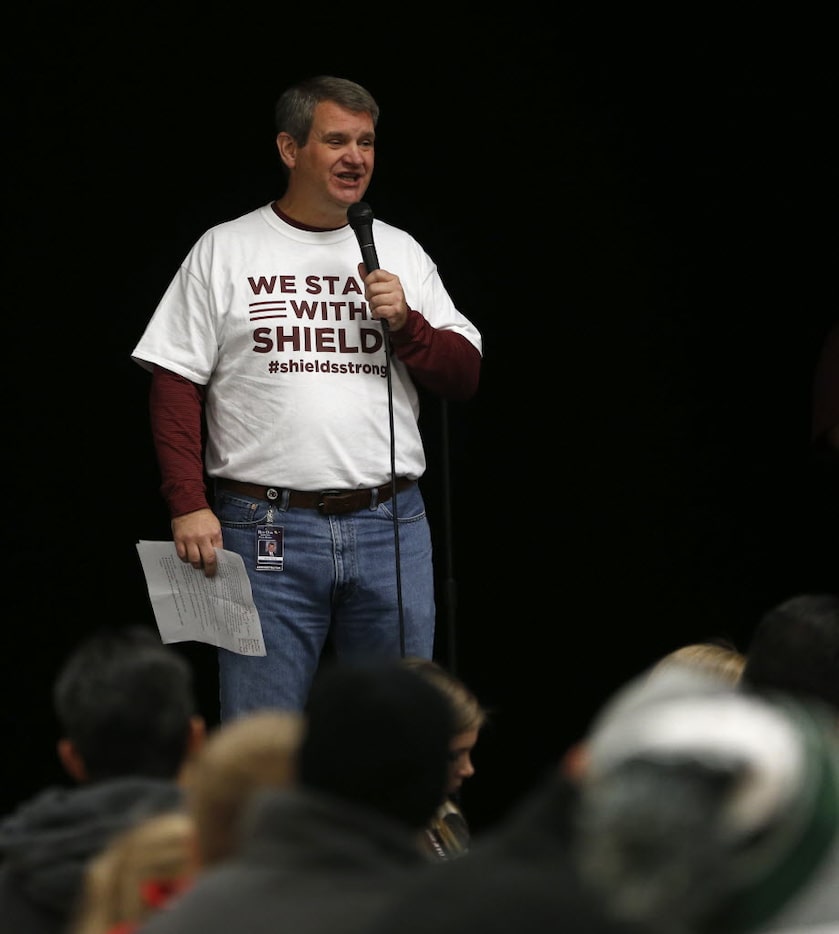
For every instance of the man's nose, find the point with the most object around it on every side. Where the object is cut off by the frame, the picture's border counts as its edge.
(354, 153)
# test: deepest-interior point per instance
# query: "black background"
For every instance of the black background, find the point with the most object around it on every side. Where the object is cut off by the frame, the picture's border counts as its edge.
(636, 209)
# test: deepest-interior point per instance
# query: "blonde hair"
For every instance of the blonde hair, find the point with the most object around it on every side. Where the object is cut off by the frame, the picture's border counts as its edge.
(257, 750)
(136, 873)
(721, 660)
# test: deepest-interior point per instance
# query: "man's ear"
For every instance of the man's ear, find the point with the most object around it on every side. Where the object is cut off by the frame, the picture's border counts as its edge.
(287, 148)
(71, 760)
(197, 735)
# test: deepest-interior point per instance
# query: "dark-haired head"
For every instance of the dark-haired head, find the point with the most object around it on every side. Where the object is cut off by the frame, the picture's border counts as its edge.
(125, 702)
(378, 735)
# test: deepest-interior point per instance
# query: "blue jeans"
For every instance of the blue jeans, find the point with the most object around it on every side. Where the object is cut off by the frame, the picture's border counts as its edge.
(338, 581)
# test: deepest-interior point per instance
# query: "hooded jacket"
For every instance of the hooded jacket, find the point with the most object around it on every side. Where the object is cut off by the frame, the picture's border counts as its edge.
(47, 842)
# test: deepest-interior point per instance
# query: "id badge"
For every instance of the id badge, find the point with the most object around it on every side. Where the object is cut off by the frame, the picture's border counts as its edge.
(269, 548)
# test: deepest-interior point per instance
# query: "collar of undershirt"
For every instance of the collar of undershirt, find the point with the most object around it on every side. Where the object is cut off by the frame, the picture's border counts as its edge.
(293, 223)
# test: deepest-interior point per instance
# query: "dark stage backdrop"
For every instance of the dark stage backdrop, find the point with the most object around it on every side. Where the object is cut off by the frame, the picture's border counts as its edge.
(639, 215)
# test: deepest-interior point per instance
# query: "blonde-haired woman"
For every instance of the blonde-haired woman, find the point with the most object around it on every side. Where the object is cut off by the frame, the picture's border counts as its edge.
(448, 835)
(136, 875)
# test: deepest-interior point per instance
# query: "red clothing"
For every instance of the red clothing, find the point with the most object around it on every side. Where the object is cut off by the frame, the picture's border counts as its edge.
(176, 425)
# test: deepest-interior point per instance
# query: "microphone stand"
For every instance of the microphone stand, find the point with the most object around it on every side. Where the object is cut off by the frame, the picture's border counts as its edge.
(360, 218)
(401, 610)
(451, 590)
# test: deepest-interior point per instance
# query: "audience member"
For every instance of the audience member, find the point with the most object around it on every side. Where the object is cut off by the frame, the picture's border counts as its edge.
(448, 835)
(127, 713)
(254, 751)
(325, 855)
(703, 808)
(795, 648)
(136, 874)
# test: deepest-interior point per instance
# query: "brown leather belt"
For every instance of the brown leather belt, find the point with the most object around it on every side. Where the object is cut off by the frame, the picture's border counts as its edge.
(328, 502)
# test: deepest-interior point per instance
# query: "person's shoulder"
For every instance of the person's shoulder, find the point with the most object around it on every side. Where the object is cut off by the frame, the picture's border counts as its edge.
(46, 807)
(255, 217)
(398, 238)
(226, 238)
(389, 229)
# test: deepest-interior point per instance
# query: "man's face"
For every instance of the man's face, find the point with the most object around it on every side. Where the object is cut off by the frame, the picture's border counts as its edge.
(334, 167)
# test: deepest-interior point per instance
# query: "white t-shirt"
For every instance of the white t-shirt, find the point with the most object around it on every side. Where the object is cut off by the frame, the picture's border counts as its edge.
(273, 321)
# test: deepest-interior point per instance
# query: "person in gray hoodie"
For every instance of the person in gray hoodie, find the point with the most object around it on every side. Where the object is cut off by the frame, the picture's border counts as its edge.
(127, 713)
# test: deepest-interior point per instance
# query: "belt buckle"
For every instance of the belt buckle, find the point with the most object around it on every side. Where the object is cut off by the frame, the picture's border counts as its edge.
(340, 502)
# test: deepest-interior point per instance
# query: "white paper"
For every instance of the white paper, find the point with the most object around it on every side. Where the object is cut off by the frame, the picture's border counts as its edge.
(188, 606)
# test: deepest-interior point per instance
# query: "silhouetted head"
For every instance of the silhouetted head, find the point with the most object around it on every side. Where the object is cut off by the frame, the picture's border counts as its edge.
(377, 735)
(125, 702)
(705, 808)
(795, 649)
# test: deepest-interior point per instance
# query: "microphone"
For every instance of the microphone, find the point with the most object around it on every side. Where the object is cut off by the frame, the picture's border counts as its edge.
(360, 216)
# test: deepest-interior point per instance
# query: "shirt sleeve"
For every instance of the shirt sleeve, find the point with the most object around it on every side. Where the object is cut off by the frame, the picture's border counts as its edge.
(442, 361)
(175, 410)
